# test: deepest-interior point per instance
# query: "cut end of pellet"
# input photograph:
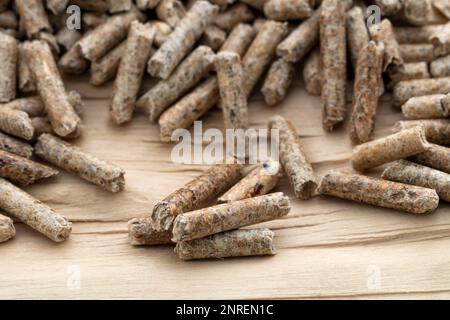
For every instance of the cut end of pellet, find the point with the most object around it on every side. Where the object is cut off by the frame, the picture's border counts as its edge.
(7, 230)
(307, 190)
(63, 231)
(162, 216)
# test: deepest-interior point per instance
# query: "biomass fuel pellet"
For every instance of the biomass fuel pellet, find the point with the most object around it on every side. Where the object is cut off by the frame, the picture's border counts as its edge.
(22, 170)
(301, 40)
(146, 4)
(440, 39)
(16, 123)
(405, 90)
(8, 20)
(389, 7)
(119, 5)
(288, 9)
(400, 145)
(209, 184)
(196, 66)
(162, 31)
(142, 233)
(236, 243)
(73, 159)
(7, 230)
(189, 108)
(233, 99)
(33, 106)
(414, 174)
(170, 11)
(239, 39)
(56, 6)
(436, 130)
(384, 32)
(67, 38)
(8, 68)
(416, 52)
(72, 62)
(15, 146)
(411, 71)
(437, 157)
(312, 75)
(440, 67)
(33, 212)
(365, 99)
(258, 23)
(417, 11)
(261, 180)
(334, 63)
(237, 13)
(92, 20)
(42, 125)
(443, 6)
(213, 37)
(427, 107)
(357, 33)
(378, 192)
(260, 53)
(415, 35)
(130, 72)
(33, 17)
(182, 38)
(278, 80)
(105, 68)
(50, 86)
(99, 41)
(51, 41)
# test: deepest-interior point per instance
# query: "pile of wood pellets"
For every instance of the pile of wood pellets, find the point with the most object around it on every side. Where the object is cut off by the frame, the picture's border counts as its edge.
(214, 53)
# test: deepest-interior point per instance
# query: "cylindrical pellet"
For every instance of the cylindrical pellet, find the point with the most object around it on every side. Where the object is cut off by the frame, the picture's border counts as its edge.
(42, 125)
(51, 88)
(16, 123)
(142, 233)
(415, 35)
(411, 71)
(146, 4)
(426, 107)
(357, 33)
(213, 37)
(312, 75)
(15, 146)
(377, 192)
(210, 183)
(9, 54)
(437, 157)
(389, 7)
(417, 11)
(25, 80)
(33, 17)
(170, 11)
(293, 159)
(416, 52)
(278, 80)
(182, 38)
(239, 39)
(397, 146)
(365, 98)
(72, 62)
(440, 67)
(288, 9)
(67, 38)
(440, 39)
(162, 31)
(237, 243)
(7, 230)
(130, 72)
(106, 67)
(74, 160)
(436, 130)
(92, 20)
(405, 90)
(119, 5)
(33, 212)
(237, 13)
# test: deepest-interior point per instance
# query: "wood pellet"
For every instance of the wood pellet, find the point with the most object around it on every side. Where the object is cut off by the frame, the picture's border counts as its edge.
(288, 9)
(357, 33)
(411, 71)
(236, 14)
(437, 157)
(440, 39)
(105, 68)
(7, 230)
(436, 130)
(141, 232)
(170, 11)
(9, 54)
(278, 80)
(16, 123)
(312, 75)
(405, 90)
(33, 17)
(15, 146)
(239, 39)
(427, 107)
(440, 67)
(416, 52)
(417, 11)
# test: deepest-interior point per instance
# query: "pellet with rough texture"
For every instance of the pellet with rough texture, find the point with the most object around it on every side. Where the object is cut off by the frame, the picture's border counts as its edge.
(417, 52)
(405, 90)
(67, 38)
(357, 33)
(196, 66)
(260, 53)
(396, 146)
(378, 192)
(33, 106)
(334, 63)
(365, 99)
(415, 35)
(7, 230)
(15, 146)
(288, 9)
(389, 7)
(278, 80)
(105, 68)
(9, 54)
(97, 43)
(426, 107)
(170, 11)
(436, 130)
(8, 20)
(72, 62)
(21, 170)
(92, 20)
(74, 160)
(236, 14)
(162, 31)
(440, 39)
(182, 38)
(42, 125)
(119, 5)
(50, 86)
(440, 67)
(209, 184)
(213, 37)
(437, 157)
(33, 212)
(142, 233)
(228, 216)
(237, 243)
(16, 123)
(130, 72)
(443, 6)
(417, 11)
(33, 17)
(239, 39)
(146, 4)
(56, 6)
(412, 71)
(293, 159)
(312, 75)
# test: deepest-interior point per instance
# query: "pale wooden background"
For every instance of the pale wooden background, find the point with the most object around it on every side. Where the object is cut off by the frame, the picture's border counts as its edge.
(327, 248)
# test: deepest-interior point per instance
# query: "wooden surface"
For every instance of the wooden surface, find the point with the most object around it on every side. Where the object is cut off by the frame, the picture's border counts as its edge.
(327, 248)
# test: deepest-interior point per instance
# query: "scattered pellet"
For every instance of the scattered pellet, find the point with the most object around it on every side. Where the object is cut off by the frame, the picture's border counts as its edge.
(16, 123)
(236, 14)
(146, 4)
(239, 39)
(130, 72)
(260, 53)
(33, 17)
(357, 33)
(312, 75)
(278, 80)
(92, 20)
(213, 37)
(443, 6)
(411, 71)
(210, 183)
(15, 146)
(116, 6)
(436, 130)
(51, 88)
(182, 38)
(72, 62)
(237, 243)
(89, 5)
(67, 38)
(288, 9)
(196, 66)
(142, 233)
(73, 159)
(440, 39)
(389, 7)
(440, 67)
(426, 107)
(8, 20)
(437, 157)
(417, 52)
(170, 11)
(258, 23)
(7, 230)
(162, 31)
(415, 35)
(56, 6)
(378, 192)
(25, 82)
(105, 68)
(405, 90)
(417, 11)
(8, 68)
(400, 145)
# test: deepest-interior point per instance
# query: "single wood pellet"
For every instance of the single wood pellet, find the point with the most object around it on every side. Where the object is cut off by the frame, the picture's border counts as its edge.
(130, 72)
(196, 66)
(16, 123)
(440, 39)
(182, 38)
(7, 230)
(162, 31)
(405, 90)
(357, 33)
(417, 11)
(146, 4)
(142, 233)
(400, 145)
(236, 14)
(365, 98)
(170, 11)
(389, 7)
(239, 39)
(25, 81)
(378, 192)
(50, 86)
(105, 68)
(437, 157)
(440, 67)
(237, 243)
(312, 75)
(115, 6)
(209, 184)
(436, 130)
(213, 37)
(42, 125)
(9, 54)
(73, 159)
(72, 62)
(293, 159)
(261, 180)
(33, 212)
(33, 17)
(415, 35)
(443, 6)
(92, 20)
(411, 71)
(288, 9)
(416, 52)
(228, 216)
(427, 107)
(278, 80)
(414, 174)
(15, 146)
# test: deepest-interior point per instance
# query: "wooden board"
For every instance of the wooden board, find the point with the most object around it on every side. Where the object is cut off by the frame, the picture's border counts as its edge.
(327, 248)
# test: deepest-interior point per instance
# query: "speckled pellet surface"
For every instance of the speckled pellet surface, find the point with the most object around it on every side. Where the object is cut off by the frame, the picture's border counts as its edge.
(9, 54)
(15, 146)
(436, 130)
(278, 80)
(142, 233)
(7, 230)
